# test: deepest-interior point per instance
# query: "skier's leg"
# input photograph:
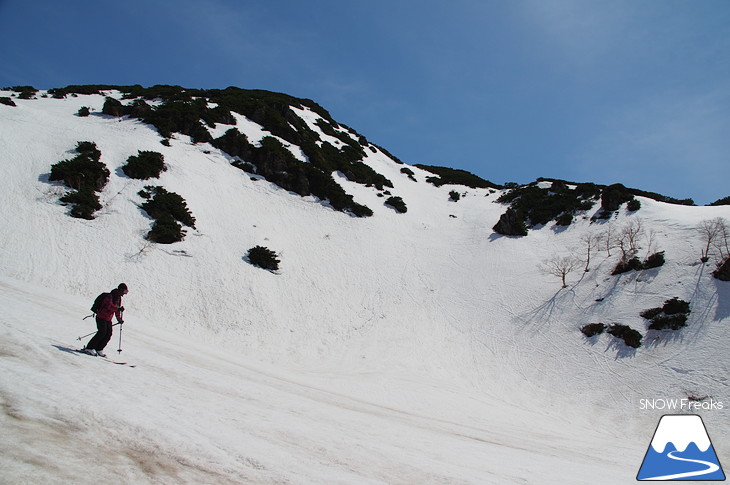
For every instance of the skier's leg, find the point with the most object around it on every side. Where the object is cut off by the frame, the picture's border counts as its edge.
(97, 336)
(103, 336)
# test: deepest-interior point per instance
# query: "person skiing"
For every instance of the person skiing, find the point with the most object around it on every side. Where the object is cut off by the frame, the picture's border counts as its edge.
(110, 306)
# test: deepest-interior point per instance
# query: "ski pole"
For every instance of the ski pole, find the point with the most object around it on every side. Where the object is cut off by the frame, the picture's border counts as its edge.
(121, 313)
(92, 333)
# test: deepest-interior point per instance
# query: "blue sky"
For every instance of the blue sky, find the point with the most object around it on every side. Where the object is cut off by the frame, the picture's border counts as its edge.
(629, 91)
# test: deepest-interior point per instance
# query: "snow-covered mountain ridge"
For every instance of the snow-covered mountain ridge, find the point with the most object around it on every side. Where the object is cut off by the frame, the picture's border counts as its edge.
(428, 311)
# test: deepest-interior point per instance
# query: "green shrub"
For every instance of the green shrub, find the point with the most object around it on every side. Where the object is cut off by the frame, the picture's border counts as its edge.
(113, 107)
(651, 313)
(654, 260)
(668, 322)
(263, 258)
(84, 173)
(593, 329)
(511, 223)
(84, 111)
(181, 111)
(164, 203)
(722, 272)
(541, 205)
(633, 205)
(564, 219)
(631, 337)
(675, 306)
(84, 170)
(451, 176)
(273, 161)
(633, 264)
(359, 210)
(671, 316)
(613, 196)
(454, 195)
(165, 230)
(409, 172)
(7, 101)
(84, 203)
(25, 92)
(723, 201)
(145, 165)
(397, 204)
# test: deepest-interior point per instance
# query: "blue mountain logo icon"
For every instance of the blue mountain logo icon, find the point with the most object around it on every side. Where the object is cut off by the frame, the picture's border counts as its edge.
(681, 450)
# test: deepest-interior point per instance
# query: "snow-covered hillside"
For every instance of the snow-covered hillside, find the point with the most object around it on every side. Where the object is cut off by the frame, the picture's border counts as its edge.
(399, 348)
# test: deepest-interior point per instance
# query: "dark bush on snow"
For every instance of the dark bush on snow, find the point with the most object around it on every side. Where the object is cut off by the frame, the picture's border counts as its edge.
(113, 107)
(631, 337)
(651, 313)
(397, 204)
(593, 329)
(654, 261)
(263, 258)
(511, 223)
(167, 209)
(633, 205)
(671, 316)
(674, 306)
(409, 172)
(7, 101)
(668, 322)
(564, 219)
(451, 176)
(723, 201)
(722, 272)
(635, 264)
(188, 111)
(86, 175)
(535, 205)
(275, 163)
(613, 196)
(84, 203)
(84, 111)
(164, 202)
(145, 165)
(166, 230)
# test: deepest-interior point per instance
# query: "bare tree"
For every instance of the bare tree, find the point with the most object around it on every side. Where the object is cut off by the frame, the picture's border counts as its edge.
(628, 238)
(590, 242)
(608, 237)
(651, 237)
(722, 243)
(715, 233)
(560, 266)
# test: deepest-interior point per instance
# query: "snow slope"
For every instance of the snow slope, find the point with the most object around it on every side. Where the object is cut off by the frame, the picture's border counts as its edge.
(400, 348)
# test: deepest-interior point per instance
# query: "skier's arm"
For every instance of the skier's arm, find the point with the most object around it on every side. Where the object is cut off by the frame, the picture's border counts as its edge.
(119, 312)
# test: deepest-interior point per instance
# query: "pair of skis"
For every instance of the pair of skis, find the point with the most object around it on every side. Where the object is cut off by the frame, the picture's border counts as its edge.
(106, 359)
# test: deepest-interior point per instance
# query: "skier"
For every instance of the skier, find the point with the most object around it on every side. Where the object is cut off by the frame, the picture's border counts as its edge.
(111, 305)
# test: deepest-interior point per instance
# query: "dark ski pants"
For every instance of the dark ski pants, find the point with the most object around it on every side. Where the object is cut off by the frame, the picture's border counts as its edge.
(103, 335)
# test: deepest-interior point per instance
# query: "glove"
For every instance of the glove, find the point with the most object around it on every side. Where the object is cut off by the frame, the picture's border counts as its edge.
(121, 308)
(120, 322)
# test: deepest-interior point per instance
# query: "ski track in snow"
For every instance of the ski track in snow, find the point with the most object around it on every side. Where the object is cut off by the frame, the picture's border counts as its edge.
(402, 348)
